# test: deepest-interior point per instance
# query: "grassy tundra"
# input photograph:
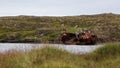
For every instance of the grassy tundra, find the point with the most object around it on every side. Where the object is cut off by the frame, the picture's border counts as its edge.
(35, 29)
(107, 56)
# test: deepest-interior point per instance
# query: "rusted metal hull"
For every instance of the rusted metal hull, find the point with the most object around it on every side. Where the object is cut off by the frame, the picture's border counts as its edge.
(70, 38)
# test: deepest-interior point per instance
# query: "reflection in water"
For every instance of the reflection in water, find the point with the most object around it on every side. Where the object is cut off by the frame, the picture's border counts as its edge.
(26, 47)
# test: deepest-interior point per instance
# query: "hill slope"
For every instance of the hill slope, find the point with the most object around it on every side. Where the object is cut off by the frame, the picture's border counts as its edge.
(35, 28)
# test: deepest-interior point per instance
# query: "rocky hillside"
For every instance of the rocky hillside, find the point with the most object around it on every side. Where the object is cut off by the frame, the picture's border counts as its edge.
(42, 29)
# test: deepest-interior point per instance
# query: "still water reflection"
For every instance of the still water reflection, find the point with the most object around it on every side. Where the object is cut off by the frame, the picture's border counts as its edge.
(26, 47)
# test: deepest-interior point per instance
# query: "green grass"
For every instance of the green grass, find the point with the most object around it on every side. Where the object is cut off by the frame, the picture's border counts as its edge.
(107, 56)
(109, 49)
